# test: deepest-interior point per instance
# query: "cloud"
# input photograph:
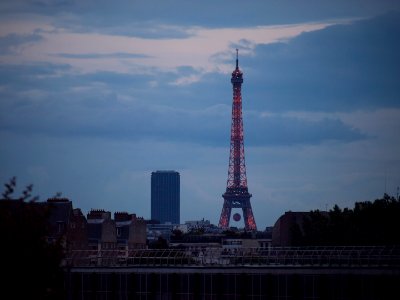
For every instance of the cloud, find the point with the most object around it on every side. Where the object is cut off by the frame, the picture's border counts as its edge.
(13, 42)
(64, 45)
(124, 15)
(349, 66)
(99, 105)
(101, 55)
(278, 130)
(338, 68)
(333, 69)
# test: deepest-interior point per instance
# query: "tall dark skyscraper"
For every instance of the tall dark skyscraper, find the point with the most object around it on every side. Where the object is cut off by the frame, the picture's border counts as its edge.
(165, 196)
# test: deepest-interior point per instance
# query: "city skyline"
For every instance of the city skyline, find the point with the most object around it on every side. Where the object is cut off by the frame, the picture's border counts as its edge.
(95, 96)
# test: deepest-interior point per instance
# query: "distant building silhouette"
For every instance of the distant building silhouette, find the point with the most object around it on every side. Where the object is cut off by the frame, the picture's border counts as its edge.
(59, 217)
(101, 230)
(131, 231)
(165, 196)
(77, 232)
(283, 230)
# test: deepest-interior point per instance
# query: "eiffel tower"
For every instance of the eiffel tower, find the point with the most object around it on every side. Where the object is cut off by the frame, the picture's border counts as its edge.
(237, 194)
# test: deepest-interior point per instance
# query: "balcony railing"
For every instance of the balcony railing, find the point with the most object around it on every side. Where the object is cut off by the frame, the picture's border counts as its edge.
(369, 256)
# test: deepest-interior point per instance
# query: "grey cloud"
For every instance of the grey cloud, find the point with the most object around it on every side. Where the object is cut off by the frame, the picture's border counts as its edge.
(102, 55)
(281, 130)
(342, 67)
(104, 116)
(91, 105)
(11, 42)
(121, 17)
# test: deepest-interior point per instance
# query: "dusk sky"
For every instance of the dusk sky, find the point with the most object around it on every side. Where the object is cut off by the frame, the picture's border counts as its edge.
(96, 94)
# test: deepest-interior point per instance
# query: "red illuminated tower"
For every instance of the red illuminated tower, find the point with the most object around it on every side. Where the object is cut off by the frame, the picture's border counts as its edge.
(237, 194)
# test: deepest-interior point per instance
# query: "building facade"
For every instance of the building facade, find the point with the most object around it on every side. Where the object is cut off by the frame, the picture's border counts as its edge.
(131, 231)
(102, 232)
(165, 197)
(283, 232)
(77, 231)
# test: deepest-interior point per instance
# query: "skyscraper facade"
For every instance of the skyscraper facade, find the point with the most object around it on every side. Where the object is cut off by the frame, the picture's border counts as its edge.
(165, 196)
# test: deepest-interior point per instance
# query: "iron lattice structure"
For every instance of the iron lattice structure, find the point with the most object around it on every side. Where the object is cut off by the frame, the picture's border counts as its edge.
(237, 194)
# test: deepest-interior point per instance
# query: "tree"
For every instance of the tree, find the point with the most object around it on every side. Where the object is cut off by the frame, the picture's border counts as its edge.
(369, 223)
(161, 243)
(30, 264)
(177, 235)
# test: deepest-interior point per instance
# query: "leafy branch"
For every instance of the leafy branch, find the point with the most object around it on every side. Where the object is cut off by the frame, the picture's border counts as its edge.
(26, 193)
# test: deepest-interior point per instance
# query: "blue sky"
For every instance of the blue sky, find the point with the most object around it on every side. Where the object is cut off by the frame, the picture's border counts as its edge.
(95, 96)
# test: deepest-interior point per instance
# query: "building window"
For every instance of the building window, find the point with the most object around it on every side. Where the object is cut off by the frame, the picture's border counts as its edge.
(61, 226)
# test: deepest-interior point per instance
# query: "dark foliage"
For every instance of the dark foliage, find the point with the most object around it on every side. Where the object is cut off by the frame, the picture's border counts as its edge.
(30, 265)
(177, 235)
(161, 243)
(368, 223)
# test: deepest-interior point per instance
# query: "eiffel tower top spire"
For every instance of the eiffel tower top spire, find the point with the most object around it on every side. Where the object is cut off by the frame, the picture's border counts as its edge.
(237, 58)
